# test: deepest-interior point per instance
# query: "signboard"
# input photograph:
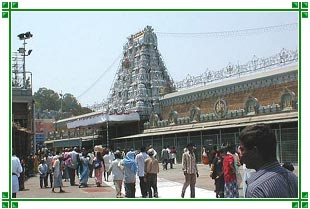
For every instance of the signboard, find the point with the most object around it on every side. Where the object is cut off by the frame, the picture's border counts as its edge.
(39, 137)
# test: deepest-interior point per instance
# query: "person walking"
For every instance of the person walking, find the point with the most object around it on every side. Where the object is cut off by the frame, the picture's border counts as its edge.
(170, 160)
(117, 173)
(49, 161)
(67, 159)
(237, 164)
(151, 169)
(211, 154)
(231, 189)
(130, 170)
(36, 162)
(140, 158)
(22, 175)
(57, 167)
(258, 148)
(174, 155)
(42, 169)
(91, 163)
(217, 174)
(16, 171)
(98, 166)
(190, 170)
(155, 152)
(165, 157)
(107, 161)
(72, 165)
(83, 170)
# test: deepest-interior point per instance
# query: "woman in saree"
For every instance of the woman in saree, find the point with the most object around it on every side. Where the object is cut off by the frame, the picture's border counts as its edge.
(83, 170)
(99, 168)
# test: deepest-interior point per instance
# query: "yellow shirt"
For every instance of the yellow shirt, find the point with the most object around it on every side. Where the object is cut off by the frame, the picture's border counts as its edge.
(151, 165)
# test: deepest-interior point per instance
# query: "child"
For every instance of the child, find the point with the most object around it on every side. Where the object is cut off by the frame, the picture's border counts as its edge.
(43, 173)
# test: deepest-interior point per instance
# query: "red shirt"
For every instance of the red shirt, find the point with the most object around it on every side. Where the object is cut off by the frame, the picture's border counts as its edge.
(229, 173)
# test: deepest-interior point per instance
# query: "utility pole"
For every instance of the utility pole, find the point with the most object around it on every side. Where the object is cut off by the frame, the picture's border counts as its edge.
(23, 37)
(61, 98)
(108, 126)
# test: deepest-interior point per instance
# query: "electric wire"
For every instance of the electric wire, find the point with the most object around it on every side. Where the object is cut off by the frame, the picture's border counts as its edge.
(100, 77)
(230, 33)
(216, 34)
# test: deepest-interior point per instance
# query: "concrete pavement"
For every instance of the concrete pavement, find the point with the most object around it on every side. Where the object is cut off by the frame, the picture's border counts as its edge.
(170, 183)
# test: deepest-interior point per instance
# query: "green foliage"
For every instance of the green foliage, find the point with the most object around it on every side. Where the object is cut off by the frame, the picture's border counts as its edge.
(62, 105)
(46, 99)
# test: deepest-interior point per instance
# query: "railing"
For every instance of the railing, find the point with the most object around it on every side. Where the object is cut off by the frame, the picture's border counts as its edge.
(285, 57)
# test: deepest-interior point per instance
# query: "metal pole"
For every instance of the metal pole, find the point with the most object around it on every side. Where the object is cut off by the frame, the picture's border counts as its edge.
(93, 137)
(34, 129)
(61, 96)
(108, 126)
(24, 65)
(80, 144)
(280, 142)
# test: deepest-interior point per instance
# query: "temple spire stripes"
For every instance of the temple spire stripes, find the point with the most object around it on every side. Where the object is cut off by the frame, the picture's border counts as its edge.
(142, 76)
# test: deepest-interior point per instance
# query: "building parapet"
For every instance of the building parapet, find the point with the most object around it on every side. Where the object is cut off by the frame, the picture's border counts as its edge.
(232, 122)
(283, 58)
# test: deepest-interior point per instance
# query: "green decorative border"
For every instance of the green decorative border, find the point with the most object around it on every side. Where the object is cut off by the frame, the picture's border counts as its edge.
(300, 7)
(7, 202)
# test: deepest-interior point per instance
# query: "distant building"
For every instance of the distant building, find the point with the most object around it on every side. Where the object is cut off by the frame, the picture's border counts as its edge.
(22, 115)
(88, 130)
(43, 127)
(22, 120)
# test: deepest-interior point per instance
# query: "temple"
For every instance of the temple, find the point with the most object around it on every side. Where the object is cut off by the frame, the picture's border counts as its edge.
(142, 77)
(208, 109)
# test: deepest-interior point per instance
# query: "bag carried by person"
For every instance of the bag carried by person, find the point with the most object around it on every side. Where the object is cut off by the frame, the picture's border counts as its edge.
(205, 159)
(97, 164)
(213, 175)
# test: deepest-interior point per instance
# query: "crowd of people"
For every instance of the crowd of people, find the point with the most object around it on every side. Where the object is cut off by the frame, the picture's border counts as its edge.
(263, 175)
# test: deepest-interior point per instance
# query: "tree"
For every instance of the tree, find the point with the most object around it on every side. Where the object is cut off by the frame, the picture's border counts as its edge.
(69, 103)
(65, 105)
(46, 99)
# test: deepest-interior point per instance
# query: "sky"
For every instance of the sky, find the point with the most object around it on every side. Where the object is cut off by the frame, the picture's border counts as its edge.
(80, 52)
(72, 50)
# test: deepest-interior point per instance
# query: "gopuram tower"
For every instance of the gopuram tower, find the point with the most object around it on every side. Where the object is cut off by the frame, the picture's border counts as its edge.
(141, 78)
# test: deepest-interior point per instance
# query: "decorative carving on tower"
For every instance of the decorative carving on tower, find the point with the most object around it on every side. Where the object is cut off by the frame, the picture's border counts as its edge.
(220, 108)
(251, 106)
(173, 118)
(142, 77)
(195, 113)
(288, 100)
(154, 120)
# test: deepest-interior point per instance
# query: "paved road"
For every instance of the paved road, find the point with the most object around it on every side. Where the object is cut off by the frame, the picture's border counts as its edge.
(170, 183)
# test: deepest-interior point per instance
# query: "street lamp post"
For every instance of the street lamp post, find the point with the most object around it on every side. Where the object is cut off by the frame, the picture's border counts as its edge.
(108, 126)
(61, 98)
(93, 137)
(23, 37)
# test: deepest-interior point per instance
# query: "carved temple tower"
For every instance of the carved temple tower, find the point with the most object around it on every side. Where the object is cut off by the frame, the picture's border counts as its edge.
(142, 76)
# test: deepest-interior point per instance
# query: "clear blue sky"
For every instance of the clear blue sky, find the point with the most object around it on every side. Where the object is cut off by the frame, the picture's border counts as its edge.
(72, 49)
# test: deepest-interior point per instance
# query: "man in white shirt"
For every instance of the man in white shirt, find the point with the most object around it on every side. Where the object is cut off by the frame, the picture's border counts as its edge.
(73, 165)
(91, 163)
(16, 171)
(140, 158)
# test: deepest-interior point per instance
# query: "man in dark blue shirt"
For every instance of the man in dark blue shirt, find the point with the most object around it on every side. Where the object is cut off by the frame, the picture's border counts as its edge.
(258, 151)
